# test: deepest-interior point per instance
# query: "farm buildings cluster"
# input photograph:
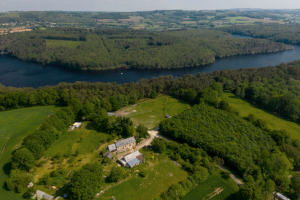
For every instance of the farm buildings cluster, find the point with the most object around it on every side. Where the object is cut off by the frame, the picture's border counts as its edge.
(132, 159)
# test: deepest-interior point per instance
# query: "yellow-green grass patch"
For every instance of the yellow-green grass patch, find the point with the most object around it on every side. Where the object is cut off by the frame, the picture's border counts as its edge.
(62, 43)
(158, 180)
(152, 111)
(15, 125)
(273, 121)
(10, 14)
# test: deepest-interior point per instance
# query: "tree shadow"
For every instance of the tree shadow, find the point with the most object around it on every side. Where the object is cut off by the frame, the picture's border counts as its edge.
(6, 169)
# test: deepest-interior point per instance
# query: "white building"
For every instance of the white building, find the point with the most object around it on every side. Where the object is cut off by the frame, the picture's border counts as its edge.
(76, 125)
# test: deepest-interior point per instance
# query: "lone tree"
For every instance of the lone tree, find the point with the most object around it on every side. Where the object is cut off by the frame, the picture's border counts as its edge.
(117, 173)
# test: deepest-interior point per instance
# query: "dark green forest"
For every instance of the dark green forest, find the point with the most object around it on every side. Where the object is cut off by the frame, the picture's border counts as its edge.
(112, 48)
(259, 155)
(288, 34)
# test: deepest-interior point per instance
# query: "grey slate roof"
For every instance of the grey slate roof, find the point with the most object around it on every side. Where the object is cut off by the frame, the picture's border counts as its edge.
(44, 195)
(111, 147)
(133, 162)
(125, 141)
(108, 155)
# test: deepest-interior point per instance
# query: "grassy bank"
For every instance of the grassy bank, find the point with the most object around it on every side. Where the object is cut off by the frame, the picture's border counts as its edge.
(15, 125)
(274, 122)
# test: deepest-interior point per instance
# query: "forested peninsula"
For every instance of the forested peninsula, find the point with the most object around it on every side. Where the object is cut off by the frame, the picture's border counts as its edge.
(101, 49)
(286, 33)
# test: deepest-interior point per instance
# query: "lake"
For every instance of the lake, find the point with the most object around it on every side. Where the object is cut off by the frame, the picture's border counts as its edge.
(16, 73)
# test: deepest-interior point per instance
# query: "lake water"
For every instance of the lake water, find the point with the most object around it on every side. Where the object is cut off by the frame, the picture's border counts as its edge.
(16, 73)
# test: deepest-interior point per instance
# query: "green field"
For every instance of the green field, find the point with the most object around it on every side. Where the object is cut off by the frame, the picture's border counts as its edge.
(239, 20)
(151, 112)
(62, 43)
(10, 14)
(158, 181)
(274, 122)
(214, 188)
(84, 140)
(15, 125)
(189, 22)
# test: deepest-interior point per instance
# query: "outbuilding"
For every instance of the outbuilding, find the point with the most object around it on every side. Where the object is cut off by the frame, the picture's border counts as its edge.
(108, 155)
(76, 125)
(42, 195)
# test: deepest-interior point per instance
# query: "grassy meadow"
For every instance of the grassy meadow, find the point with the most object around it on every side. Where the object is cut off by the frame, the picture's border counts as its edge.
(69, 153)
(214, 188)
(157, 181)
(152, 111)
(15, 125)
(274, 122)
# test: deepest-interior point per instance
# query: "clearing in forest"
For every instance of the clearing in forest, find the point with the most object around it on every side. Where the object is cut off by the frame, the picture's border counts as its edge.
(152, 111)
(214, 188)
(14, 126)
(157, 181)
(273, 121)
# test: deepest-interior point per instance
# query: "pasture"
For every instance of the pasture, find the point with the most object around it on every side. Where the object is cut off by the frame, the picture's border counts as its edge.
(274, 122)
(149, 188)
(151, 112)
(214, 188)
(62, 43)
(14, 126)
(72, 150)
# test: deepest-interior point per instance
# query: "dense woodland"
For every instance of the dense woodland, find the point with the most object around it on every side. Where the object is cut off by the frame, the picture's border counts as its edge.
(288, 34)
(261, 156)
(112, 48)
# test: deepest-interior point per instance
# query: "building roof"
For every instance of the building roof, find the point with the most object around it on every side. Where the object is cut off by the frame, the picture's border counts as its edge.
(44, 195)
(167, 115)
(132, 156)
(140, 158)
(111, 114)
(282, 196)
(133, 162)
(111, 147)
(108, 155)
(77, 124)
(125, 142)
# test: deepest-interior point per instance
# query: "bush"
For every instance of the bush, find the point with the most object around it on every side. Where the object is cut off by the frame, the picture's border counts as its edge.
(143, 174)
(225, 174)
(44, 180)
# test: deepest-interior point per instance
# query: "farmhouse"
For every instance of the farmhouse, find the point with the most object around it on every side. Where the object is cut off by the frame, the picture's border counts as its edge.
(126, 144)
(76, 125)
(123, 145)
(42, 195)
(132, 159)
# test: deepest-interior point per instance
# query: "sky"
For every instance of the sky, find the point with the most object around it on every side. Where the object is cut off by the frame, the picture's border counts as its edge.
(142, 5)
